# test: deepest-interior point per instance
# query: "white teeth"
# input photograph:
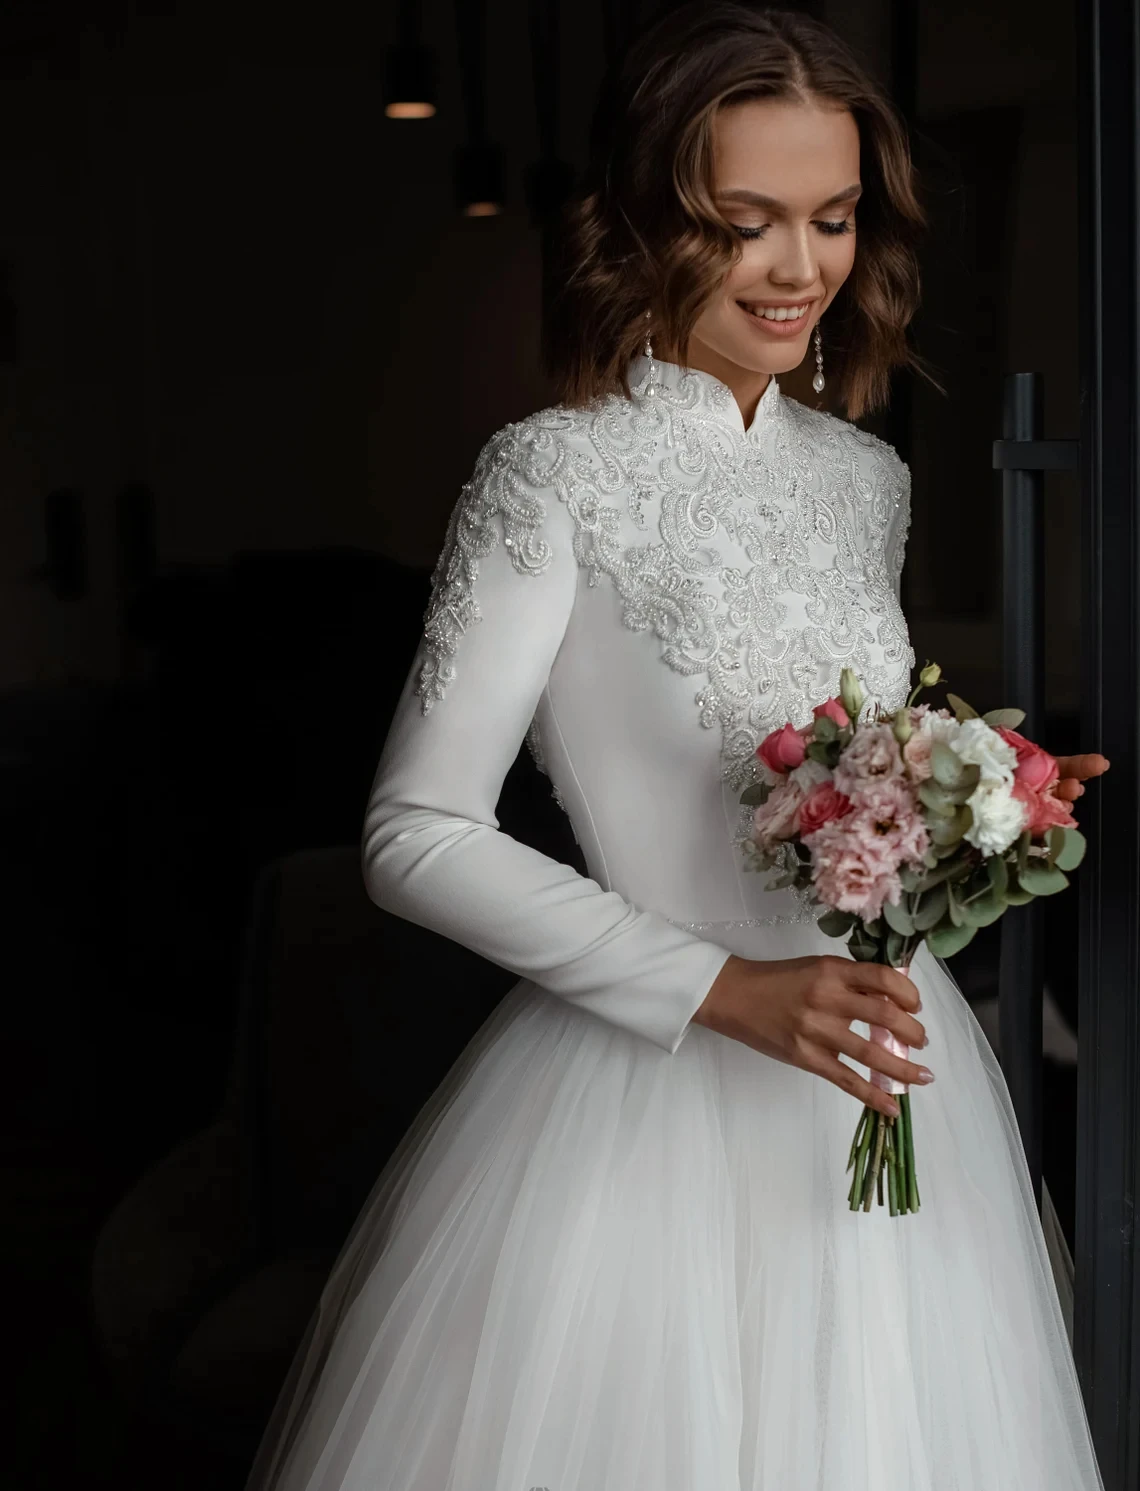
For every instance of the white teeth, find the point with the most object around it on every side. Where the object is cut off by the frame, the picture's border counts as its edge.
(777, 312)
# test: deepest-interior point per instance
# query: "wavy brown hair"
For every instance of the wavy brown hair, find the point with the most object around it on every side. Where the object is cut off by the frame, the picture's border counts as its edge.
(635, 236)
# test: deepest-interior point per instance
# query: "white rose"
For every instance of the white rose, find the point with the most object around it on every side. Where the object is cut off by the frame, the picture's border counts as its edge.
(998, 816)
(979, 745)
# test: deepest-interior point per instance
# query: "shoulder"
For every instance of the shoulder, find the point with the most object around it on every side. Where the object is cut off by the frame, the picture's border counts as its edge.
(828, 433)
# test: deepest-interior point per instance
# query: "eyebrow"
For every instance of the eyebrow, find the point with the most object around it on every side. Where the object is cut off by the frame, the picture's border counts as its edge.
(758, 199)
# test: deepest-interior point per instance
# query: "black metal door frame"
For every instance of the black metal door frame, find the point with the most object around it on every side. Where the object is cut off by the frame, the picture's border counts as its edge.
(1107, 1302)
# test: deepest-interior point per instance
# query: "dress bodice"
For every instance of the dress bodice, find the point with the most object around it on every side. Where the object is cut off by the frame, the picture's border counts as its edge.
(641, 588)
(754, 563)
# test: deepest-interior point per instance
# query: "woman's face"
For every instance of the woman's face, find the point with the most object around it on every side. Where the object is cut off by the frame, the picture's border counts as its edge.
(787, 178)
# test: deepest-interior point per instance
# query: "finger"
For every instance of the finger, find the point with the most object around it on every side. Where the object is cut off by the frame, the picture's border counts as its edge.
(879, 1059)
(834, 1070)
(1068, 789)
(1091, 764)
(874, 1009)
(877, 978)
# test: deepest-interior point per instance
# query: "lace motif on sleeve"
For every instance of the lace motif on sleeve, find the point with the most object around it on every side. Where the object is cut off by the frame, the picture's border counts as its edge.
(499, 497)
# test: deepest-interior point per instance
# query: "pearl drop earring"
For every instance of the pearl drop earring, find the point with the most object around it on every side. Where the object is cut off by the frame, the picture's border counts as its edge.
(651, 386)
(817, 381)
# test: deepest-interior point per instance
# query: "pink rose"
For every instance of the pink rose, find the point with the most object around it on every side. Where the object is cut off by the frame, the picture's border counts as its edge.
(776, 819)
(916, 755)
(783, 750)
(1043, 808)
(832, 710)
(822, 804)
(1036, 769)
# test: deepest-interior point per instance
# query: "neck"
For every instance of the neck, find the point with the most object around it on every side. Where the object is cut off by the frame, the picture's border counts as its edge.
(747, 385)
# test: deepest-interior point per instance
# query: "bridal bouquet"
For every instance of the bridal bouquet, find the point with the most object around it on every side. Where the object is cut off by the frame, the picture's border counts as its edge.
(917, 826)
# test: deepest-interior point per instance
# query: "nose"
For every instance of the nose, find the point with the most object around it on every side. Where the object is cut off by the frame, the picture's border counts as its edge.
(795, 263)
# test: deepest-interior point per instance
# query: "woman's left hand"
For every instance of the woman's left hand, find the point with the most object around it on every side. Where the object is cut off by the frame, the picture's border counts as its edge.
(1077, 769)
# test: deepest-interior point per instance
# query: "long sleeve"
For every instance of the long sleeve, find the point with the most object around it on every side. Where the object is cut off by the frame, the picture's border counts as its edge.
(432, 851)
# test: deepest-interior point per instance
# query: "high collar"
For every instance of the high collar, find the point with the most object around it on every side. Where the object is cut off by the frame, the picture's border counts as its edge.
(690, 388)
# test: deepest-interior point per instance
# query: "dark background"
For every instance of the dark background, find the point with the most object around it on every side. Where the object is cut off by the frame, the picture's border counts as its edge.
(249, 348)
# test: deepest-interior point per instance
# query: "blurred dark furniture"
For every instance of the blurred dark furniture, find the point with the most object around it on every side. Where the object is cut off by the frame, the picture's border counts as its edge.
(204, 1274)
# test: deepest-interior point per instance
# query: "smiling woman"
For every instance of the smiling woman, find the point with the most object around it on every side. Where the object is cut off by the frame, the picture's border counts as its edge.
(776, 135)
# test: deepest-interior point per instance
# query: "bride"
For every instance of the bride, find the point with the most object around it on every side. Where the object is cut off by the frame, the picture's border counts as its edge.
(614, 1251)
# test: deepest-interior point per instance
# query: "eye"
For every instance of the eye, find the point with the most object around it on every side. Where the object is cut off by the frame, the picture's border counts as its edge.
(752, 232)
(833, 229)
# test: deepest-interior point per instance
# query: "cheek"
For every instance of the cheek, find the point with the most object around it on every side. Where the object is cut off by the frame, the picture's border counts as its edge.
(837, 260)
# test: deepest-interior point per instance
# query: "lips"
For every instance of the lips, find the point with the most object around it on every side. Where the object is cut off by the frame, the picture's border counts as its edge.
(778, 313)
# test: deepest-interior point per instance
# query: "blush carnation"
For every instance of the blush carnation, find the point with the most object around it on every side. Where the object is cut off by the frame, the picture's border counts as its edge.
(998, 817)
(886, 816)
(872, 756)
(849, 872)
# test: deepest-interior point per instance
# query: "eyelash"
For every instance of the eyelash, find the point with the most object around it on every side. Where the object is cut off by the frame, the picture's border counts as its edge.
(828, 229)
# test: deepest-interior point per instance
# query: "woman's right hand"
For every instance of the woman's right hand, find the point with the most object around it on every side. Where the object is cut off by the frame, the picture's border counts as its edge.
(799, 1010)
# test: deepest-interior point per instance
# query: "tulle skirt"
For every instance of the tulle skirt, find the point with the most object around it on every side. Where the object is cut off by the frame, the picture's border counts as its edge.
(595, 1266)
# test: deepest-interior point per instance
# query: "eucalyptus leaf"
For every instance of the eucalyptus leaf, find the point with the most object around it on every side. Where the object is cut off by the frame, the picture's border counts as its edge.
(783, 882)
(836, 923)
(948, 831)
(953, 909)
(984, 910)
(931, 908)
(1023, 842)
(910, 879)
(1067, 847)
(825, 728)
(896, 946)
(1042, 880)
(945, 764)
(864, 952)
(756, 795)
(962, 710)
(937, 799)
(1014, 896)
(898, 918)
(946, 940)
(998, 871)
(1009, 718)
(875, 928)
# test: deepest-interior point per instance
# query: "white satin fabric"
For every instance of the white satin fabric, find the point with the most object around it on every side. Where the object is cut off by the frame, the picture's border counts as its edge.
(613, 1253)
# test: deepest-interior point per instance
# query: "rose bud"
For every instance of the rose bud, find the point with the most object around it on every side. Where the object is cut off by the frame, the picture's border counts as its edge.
(832, 710)
(783, 750)
(930, 675)
(851, 693)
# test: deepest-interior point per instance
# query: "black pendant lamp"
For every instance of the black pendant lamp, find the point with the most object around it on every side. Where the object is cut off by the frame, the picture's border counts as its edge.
(478, 172)
(410, 70)
(548, 180)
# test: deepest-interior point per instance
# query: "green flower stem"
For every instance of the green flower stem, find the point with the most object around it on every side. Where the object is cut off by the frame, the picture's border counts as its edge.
(858, 1137)
(876, 1162)
(860, 1160)
(911, 1178)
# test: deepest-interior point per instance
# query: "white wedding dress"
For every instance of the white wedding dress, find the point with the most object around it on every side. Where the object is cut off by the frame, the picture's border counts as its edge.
(614, 1251)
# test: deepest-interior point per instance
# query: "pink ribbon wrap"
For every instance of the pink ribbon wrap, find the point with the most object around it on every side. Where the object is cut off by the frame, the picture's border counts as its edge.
(890, 1042)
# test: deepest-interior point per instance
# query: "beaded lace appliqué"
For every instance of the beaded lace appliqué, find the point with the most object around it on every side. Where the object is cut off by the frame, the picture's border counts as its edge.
(818, 507)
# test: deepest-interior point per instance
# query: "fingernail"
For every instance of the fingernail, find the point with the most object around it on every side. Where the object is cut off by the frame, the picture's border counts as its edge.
(925, 1043)
(918, 1006)
(893, 1109)
(927, 1074)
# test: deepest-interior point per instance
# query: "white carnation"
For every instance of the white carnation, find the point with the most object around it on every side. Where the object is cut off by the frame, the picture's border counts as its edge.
(979, 745)
(938, 727)
(998, 816)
